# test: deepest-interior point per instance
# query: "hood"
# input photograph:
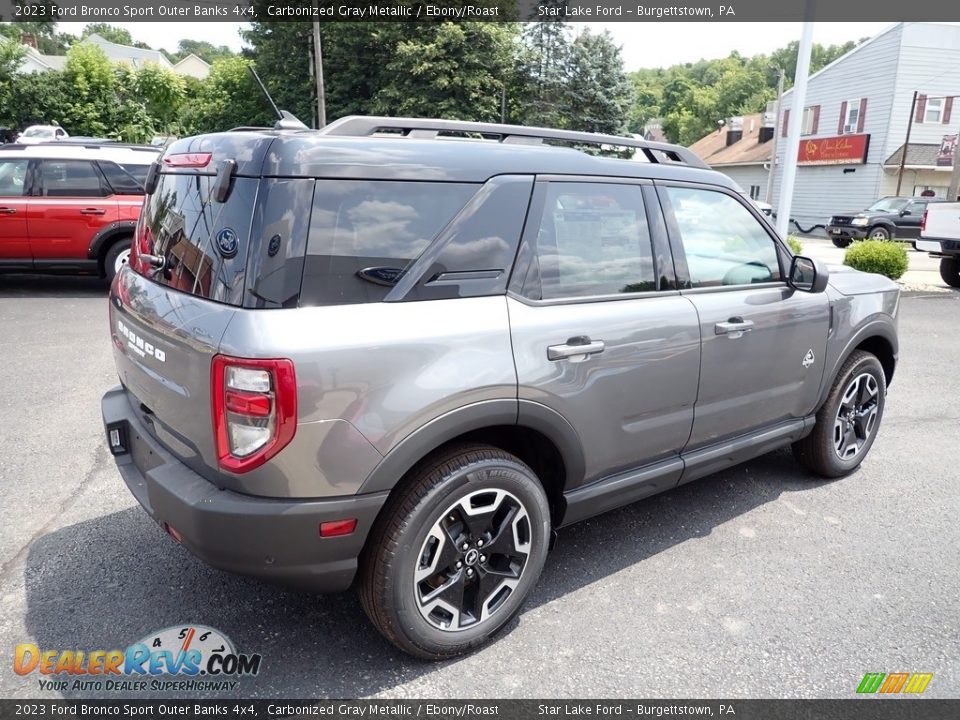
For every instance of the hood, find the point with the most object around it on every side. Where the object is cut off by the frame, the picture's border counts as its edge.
(846, 280)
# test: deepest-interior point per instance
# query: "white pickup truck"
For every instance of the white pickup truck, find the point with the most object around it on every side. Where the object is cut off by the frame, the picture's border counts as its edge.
(940, 236)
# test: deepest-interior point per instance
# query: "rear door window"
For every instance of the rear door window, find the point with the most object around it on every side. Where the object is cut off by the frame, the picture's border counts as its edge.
(71, 178)
(363, 234)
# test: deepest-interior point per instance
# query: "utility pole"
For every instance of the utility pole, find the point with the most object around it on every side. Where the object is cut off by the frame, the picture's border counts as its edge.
(318, 74)
(953, 193)
(906, 143)
(773, 142)
(793, 129)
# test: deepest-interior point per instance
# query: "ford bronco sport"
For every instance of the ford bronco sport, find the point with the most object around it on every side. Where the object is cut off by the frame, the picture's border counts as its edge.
(400, 353)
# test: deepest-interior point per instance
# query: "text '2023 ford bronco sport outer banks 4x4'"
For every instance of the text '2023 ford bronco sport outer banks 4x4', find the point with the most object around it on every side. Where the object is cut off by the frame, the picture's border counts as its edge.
(402, 352)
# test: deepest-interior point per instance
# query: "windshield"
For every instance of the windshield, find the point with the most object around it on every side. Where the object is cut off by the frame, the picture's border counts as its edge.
(889, 204)
(38, 132)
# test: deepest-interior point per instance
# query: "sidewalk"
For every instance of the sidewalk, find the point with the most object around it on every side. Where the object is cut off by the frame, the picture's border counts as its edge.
(922, 275)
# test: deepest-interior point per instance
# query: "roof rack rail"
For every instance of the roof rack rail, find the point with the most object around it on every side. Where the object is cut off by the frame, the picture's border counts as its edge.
(110, 144)
(359, 126)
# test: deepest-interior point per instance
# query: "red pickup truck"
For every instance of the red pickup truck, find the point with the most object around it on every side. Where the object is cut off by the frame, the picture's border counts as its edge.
(70, 208)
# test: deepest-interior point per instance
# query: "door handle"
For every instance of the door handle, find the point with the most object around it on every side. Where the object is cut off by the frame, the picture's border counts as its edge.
(8, 211)
(93, 211)
(735, 327)
(576, 349)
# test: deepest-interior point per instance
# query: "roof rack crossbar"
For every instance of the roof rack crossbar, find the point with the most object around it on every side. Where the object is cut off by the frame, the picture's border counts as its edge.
(360, 126)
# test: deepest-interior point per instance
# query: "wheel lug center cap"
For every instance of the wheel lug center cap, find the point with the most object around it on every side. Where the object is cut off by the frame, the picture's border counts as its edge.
(472, 556)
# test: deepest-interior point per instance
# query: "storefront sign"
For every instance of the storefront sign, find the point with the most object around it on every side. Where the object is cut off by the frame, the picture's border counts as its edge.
(945, 154)
(840, 150)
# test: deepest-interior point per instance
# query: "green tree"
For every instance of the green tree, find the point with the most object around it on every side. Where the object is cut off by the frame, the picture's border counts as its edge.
(228, 98)
(449, 70)
(202, 49)
(547, 55)
(598, 93)
(161, 92)
(92, 79)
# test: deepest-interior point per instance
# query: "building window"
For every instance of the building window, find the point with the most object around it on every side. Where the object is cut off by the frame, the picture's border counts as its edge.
(754, 192)
(937, 191)
(852, 117)
(934, 110)
(811, 118)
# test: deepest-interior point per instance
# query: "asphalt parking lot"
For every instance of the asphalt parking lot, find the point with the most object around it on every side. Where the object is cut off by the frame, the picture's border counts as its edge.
(758, 582)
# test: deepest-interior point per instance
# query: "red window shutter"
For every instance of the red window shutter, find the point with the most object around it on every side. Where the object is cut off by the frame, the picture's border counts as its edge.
(816, 119)
(921, 108)
(947, 109)
(786, 122)
(843, 117)
(862, 114)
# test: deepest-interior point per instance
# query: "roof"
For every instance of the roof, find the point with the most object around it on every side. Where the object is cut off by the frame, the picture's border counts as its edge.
(918, 155)
(134, 55)
(191, 58)
(747, 151)
(50, 62)
(313, 154)
(133, 154)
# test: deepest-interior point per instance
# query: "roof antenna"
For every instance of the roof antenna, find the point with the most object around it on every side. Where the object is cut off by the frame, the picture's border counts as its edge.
(285, 120)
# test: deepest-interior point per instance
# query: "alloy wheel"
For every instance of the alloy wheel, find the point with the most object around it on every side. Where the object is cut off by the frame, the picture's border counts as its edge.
(472, 559)
(856, 416)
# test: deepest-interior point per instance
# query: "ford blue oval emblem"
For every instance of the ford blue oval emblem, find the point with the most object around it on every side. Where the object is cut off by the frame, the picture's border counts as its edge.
(227, 243)
(273, 247)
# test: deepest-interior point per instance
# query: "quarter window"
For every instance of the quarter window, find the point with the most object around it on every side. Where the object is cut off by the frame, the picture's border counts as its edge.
(13, 177)
(723, 242)
(593, 239)
(70, 178)
(364, 234)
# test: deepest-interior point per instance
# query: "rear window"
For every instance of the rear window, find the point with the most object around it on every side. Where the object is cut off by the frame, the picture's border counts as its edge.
(203, 243)
(363, 234)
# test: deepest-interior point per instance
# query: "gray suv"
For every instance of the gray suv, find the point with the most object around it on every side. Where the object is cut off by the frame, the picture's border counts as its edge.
(399, 354)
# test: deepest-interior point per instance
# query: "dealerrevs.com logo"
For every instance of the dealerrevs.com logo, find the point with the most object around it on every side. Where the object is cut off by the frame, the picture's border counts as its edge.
(203, 657)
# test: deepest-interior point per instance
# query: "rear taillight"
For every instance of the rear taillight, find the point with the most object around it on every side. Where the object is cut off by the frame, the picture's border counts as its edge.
(923, 220)
(188, 160)
(254, 410)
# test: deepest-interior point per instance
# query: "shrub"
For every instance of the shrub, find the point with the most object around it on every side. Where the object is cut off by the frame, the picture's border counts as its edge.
(877, 256)
(795, 245)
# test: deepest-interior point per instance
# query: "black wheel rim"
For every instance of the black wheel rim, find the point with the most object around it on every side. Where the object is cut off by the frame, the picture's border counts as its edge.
(856, 416)
(472, 560)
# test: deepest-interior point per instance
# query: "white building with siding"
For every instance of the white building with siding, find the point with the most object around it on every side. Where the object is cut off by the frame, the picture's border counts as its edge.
(855, 122)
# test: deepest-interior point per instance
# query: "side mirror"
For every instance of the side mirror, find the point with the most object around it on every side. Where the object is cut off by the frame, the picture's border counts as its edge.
(905, 212)
(808, 275)
(152, 179)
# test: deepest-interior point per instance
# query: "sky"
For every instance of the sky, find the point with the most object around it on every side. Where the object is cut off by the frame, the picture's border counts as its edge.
(644, 44)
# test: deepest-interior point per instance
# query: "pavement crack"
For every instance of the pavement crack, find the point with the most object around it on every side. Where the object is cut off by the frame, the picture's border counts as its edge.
(95, 464)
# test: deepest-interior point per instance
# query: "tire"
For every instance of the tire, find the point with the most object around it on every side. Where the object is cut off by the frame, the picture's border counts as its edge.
(950, 271)
(878, 232)
(400, 577)
(854, 405)
(841, 242)
(116, 257)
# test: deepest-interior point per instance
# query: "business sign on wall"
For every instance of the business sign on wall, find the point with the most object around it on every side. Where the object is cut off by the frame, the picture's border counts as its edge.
(947, 148)
(840, 150)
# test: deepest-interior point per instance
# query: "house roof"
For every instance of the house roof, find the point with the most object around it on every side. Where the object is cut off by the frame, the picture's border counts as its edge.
(748, 150)
(918, 155)
(133, 55)
(51, 62)
(195, 57)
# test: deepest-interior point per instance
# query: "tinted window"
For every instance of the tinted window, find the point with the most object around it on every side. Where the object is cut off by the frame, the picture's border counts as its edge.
(363, 234)
(593, 239)
(13, 177)
(723, 242)
(121, 179)
(71, 178)
(474, 254)
(203, 243)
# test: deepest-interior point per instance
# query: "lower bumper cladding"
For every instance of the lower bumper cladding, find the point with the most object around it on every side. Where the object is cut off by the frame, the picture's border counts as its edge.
(277, 540)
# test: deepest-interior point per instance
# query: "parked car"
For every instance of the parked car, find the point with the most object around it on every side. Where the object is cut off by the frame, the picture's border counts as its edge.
(70, 208)
(41, 134)
(390, 355)
(940, 236)
(888, 217)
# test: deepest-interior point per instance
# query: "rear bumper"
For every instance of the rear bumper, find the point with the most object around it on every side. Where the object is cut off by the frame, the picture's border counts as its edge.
(949, 248)
(847, 231)
(276, 540)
